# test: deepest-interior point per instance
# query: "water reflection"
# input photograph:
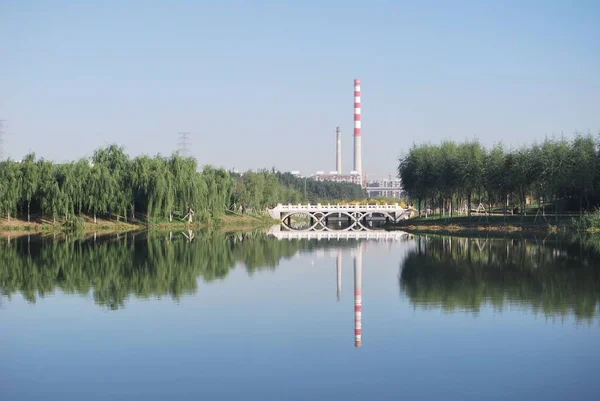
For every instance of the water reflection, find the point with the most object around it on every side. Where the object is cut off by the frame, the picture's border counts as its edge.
(280, 233)
(358, 298)
(339, 273)
(114, 267)
(282, 334)
(557, 277)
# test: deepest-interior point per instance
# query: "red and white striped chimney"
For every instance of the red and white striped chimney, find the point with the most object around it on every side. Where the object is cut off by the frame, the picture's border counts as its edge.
(358, 298)
(338, 150)
(357, 128)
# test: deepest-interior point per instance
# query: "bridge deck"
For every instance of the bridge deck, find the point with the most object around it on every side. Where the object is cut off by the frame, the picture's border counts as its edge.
(333, 208)
(328, 208)
(353, 211)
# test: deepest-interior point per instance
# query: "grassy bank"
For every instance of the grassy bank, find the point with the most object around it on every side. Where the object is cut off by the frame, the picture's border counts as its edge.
(85, 224)
(508, 224)
(226, 222)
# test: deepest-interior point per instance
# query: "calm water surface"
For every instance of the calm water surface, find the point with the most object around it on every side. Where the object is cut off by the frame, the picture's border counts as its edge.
(254, 317)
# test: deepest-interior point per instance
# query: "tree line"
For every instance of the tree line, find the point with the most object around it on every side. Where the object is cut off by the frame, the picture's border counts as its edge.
(453, 176)
(322, 191)
(111, 184)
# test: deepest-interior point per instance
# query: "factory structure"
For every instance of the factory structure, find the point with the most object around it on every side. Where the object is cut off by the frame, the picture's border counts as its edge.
(389, 187)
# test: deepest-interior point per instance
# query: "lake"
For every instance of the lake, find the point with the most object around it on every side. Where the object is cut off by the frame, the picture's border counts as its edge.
(254, 316)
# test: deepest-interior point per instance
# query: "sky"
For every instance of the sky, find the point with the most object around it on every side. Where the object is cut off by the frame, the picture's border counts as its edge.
(264, 84)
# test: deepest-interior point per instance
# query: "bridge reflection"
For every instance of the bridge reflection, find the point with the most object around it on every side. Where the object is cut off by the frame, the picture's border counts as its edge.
(357, 254)
(277, 232)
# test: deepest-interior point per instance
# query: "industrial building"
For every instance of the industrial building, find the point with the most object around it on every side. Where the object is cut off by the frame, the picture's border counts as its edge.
(389, 188)
(355, 176)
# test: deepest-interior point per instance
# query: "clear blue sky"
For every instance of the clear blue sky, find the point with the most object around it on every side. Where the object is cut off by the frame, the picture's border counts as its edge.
(266, 84)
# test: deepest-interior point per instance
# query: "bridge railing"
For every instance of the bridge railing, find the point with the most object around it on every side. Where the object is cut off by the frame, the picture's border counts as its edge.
(347, 206)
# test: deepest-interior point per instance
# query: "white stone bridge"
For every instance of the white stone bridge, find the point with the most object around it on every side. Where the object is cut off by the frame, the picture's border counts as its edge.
(357, 216)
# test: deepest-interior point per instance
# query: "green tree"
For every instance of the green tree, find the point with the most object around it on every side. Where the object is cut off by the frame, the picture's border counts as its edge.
(556, 169)
(471, 170)
(584, 159)
(30, 180)
(100, 191)
(10, 187)
(493, 176)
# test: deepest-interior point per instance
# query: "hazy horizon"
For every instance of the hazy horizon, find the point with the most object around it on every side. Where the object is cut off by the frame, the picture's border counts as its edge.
(265, 85)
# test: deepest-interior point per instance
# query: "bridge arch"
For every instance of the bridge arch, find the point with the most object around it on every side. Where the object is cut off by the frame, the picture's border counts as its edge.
(319, 213)
(320, 219)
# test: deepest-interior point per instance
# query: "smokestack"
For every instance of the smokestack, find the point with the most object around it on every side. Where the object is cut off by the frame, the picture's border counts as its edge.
(357, 129)
(338, 157)
(358, 298)
(339, 273)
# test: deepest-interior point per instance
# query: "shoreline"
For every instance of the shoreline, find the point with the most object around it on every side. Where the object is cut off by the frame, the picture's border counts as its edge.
(454, 228)
(478, 225)
(227, 223)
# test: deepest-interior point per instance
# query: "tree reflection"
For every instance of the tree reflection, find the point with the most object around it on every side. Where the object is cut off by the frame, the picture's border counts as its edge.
(116, 267)
(557, 278)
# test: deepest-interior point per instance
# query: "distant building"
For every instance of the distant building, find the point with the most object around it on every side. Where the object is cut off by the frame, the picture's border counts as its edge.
(391, 188)
(334, 176)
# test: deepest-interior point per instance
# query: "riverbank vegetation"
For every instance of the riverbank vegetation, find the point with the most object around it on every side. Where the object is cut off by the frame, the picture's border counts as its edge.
(556, 175)
(489, 224)
(145, 190)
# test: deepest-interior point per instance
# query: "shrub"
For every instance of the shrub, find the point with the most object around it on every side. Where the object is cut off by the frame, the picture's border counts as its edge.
(589, 221)
(76, 223)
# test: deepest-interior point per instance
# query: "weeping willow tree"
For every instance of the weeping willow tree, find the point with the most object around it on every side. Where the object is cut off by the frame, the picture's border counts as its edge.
(10, 188)
(112, 185)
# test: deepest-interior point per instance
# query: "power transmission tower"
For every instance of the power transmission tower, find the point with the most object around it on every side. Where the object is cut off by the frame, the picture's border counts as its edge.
(184, 144)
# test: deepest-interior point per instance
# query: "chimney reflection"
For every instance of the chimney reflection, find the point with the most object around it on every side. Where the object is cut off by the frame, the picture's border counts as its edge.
(339, 274)
(357, 291)
(358, 298)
